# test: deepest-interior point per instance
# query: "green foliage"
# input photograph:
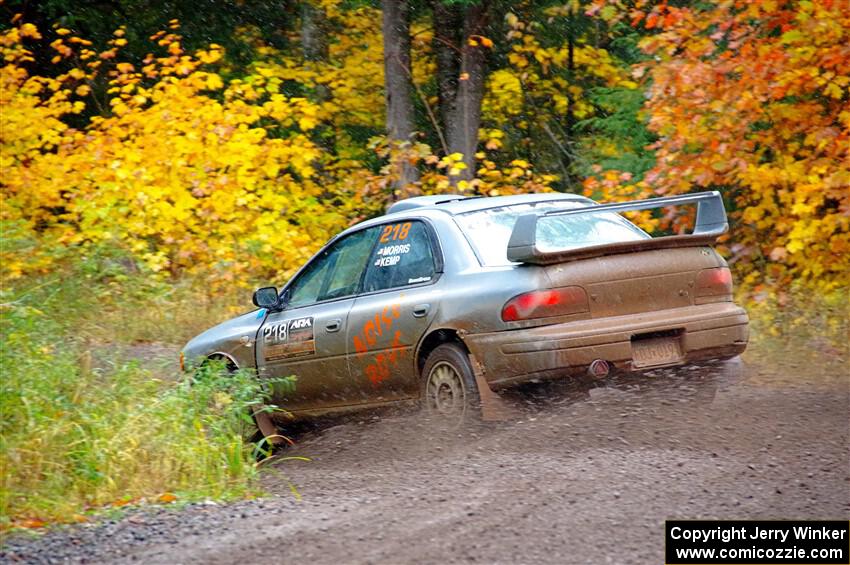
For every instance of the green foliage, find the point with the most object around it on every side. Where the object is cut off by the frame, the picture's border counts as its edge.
(615, 137)
(79, 434)
(107, 297)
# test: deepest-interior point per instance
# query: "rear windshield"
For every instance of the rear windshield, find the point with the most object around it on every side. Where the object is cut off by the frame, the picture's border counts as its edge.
(489, 230)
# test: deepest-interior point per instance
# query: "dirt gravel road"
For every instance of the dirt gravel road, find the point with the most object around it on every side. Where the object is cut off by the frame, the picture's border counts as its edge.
(586, 476)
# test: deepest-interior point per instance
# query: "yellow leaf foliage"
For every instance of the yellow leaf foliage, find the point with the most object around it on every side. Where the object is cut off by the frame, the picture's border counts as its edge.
(186, 173)
(536, 76)
(192, 173)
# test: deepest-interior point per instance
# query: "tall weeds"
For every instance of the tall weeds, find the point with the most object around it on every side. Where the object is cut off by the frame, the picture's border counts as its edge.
(801, 327)
(77, 434)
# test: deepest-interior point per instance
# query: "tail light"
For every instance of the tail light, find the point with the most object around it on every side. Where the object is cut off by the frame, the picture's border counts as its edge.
(546, 303)
(714, 282)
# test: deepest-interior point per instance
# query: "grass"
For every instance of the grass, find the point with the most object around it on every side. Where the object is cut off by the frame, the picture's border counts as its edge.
(76, 436)
(804, 329)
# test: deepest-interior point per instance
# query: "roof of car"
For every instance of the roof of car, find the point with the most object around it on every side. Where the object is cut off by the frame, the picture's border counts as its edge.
(458, 204)
(454, 204)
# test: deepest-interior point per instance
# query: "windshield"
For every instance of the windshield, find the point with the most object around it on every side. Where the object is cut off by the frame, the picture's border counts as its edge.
(489, 230)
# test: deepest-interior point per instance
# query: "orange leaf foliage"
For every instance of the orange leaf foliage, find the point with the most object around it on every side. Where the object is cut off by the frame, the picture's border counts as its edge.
(751, 97)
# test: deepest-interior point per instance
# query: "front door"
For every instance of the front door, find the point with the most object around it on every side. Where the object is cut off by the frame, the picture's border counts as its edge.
(307, 338)
(396, 305)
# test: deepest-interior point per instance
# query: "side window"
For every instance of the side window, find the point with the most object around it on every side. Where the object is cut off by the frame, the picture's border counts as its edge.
(306, 288)
(403, 256)
(336, 272)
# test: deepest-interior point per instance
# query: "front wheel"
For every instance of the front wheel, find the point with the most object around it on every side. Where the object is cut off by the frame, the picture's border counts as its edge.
(264, 436)
(449, 390)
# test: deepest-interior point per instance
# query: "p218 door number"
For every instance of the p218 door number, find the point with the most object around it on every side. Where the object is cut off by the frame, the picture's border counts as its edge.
(300, 328)
(275, 333)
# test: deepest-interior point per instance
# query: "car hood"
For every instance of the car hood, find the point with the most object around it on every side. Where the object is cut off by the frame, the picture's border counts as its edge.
(224, 337)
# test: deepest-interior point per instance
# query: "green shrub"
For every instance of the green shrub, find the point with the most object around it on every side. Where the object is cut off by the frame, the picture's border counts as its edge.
(73, 437)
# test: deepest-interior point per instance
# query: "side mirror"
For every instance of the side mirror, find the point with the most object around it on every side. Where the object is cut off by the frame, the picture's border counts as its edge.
(267, 297)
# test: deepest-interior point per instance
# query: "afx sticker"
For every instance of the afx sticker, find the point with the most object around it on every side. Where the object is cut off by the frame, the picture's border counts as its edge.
(300, 324)
(291, 338)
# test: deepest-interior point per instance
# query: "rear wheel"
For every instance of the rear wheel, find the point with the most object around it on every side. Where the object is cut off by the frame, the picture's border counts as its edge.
(449, 390)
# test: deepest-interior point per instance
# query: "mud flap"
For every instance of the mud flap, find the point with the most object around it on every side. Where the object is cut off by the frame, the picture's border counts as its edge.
(266, 425)
(494, 408)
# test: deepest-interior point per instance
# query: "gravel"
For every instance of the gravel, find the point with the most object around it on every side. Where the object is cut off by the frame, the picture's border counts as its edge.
(577, 476)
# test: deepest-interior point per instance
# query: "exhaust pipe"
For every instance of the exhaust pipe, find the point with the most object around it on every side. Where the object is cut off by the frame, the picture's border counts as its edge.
(599, 369)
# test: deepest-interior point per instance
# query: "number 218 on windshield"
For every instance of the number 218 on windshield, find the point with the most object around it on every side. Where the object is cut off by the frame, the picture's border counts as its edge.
(395, 232)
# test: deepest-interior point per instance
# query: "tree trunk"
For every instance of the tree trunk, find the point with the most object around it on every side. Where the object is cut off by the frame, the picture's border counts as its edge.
(314, 44)
(571, 67)
(315, 29)
(461, 73)
(314, 32)
(399, 88)
(447, 48)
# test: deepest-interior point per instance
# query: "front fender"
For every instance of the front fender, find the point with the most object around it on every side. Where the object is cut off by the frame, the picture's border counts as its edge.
(234, 340)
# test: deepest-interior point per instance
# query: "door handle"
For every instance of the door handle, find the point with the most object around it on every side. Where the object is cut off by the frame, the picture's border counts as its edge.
(421, 310)
(333, 325)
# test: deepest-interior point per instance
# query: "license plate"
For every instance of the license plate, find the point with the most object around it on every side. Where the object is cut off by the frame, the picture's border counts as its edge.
(656, 351)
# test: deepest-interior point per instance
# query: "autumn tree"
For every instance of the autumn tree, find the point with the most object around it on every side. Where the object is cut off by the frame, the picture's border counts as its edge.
(460, 47)
(398, 85)
(194, 161)
(564, 98)
(213, 21)
(752, 98)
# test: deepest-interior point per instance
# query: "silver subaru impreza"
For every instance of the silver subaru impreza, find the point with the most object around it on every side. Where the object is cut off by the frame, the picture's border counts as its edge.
(447, 299)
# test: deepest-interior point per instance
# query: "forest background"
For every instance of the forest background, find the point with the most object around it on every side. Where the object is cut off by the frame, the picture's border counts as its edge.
(161, 158)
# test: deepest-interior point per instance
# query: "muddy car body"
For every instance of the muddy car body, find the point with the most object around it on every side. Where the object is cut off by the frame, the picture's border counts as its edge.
(444, 295)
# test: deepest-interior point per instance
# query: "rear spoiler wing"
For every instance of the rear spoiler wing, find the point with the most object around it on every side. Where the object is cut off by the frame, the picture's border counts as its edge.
(710, 223)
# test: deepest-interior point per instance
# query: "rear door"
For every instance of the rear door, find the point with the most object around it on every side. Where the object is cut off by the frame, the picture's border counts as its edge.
(307, 338)
(399, 300)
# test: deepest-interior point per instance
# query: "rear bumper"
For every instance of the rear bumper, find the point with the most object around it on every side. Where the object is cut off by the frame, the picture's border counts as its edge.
(708, 331)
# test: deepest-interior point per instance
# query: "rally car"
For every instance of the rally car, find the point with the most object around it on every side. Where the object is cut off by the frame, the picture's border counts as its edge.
(447, 298)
